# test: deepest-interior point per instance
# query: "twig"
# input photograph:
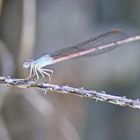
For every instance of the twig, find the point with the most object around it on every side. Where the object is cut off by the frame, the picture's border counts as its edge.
(98, 96)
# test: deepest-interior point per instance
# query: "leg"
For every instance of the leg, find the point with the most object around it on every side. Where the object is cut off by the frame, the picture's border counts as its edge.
(47, 70)
(36, 73)
(43, 72)
(31, 75)
(51, 71)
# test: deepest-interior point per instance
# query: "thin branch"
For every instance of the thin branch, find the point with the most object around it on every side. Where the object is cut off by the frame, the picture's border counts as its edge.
(98, 96)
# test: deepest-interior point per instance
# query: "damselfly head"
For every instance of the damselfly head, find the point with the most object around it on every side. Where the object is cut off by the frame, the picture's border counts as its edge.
(27, 63)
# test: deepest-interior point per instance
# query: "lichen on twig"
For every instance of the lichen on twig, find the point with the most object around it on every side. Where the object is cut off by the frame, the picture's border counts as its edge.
(92, 94)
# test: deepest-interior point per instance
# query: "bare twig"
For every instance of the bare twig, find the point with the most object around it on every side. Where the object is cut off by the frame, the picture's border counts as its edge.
(98, 96)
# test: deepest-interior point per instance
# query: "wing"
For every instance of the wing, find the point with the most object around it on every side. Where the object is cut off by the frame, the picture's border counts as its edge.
(91, 43)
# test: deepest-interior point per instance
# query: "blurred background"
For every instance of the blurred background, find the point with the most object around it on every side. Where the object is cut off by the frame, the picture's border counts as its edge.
(30, 28)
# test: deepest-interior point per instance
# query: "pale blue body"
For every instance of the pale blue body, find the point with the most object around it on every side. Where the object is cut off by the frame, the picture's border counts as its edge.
(43, 61)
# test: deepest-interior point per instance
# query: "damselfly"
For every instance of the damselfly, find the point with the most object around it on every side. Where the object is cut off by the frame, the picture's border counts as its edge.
(91, 46)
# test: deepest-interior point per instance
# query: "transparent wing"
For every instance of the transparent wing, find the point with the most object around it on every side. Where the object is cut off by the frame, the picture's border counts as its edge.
(99, 40)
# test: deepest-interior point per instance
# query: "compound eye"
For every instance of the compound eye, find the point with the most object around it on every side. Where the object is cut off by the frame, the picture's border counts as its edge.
(26, 64)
